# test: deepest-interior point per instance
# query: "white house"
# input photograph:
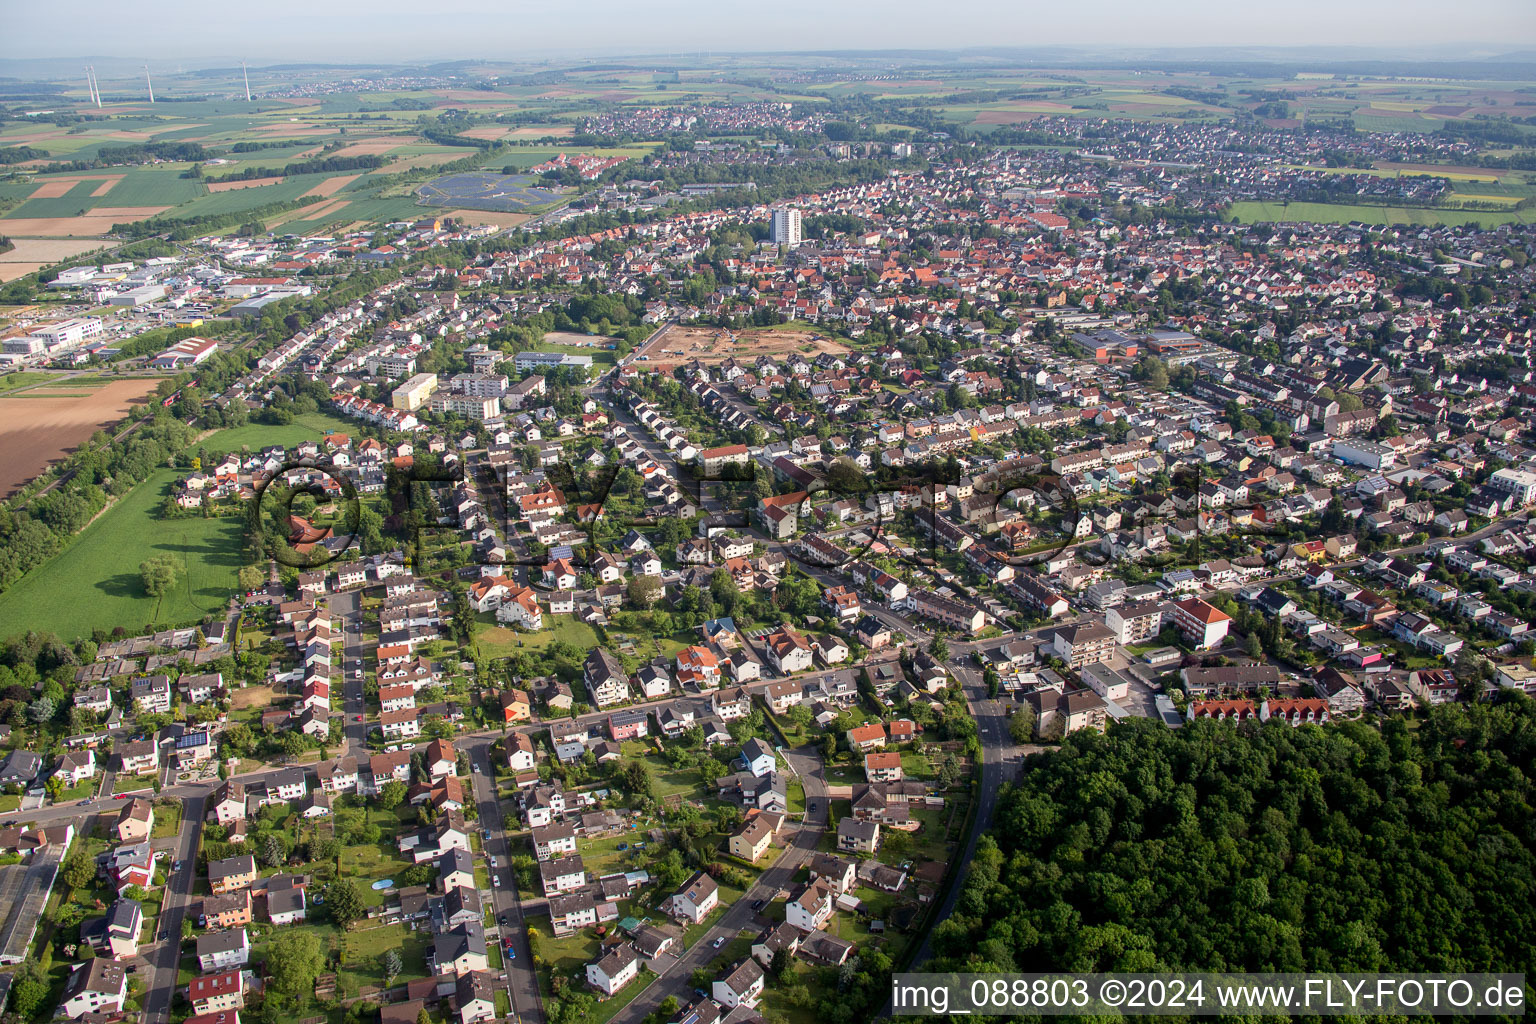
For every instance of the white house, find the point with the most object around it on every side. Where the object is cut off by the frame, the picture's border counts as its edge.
(741, 987)
(615, 970)
(695, 900)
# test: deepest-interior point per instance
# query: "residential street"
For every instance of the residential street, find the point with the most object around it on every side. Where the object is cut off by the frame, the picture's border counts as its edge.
(522, 981)
(348, 607)
(806, 763)
(162, 956)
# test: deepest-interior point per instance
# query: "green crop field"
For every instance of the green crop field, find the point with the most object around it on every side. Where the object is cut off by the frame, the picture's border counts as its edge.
(148, 186)
(94, 582)
(1338, 213)
(240, 199)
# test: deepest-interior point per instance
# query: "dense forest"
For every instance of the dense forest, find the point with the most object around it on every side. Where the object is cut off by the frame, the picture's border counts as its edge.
(1255, 848)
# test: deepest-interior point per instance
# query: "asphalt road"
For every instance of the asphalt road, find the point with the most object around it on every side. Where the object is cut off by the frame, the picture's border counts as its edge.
(522, 981)
(349, 607)
(162, 957)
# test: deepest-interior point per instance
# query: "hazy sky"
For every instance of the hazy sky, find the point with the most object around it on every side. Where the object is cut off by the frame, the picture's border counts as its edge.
(360, 30)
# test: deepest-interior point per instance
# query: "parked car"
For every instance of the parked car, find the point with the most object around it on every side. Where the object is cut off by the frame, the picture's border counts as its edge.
(717, 943)
(495, 879)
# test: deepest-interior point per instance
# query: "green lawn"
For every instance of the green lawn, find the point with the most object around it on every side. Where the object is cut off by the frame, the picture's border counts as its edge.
(133, 783)
(167, 819)
(25, 379)
(670, 780)
(567, 955)
(931, 842)
(916, 766)
(367, 864)
(361, 949)
(306, 426)
(845, 773)
(600, 356)
(84, 791)
(94, 582)
(496, 641)
(603, 856)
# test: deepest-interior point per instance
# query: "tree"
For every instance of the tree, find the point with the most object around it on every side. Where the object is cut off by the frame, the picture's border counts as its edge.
(392, 795)
(159, 574)
(644, 591)
(1145, 809)
(344, 900)
(635, 776)
(79, 872)
(781, 963)
(272, 851)
(391, 964)
(939, 648)
(250, 577)
(29, 989)
(293, 962)
(42, 710)
(1021, 725)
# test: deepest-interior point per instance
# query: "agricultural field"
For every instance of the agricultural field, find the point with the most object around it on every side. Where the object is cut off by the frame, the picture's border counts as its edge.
(306, 426)
(39, 425)
(83, 204)
(1340, 213)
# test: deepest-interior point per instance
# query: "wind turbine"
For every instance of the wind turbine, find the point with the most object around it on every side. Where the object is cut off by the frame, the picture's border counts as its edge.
(90, 87)
(150, 84)
(247, 76)
(95, 85)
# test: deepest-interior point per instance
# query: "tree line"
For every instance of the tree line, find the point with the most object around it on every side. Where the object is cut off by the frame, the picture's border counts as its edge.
(138, 153)
(319, 165)
(21, 154)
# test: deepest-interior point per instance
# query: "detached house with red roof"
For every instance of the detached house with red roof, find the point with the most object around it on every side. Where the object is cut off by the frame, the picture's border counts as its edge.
(698, 665)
